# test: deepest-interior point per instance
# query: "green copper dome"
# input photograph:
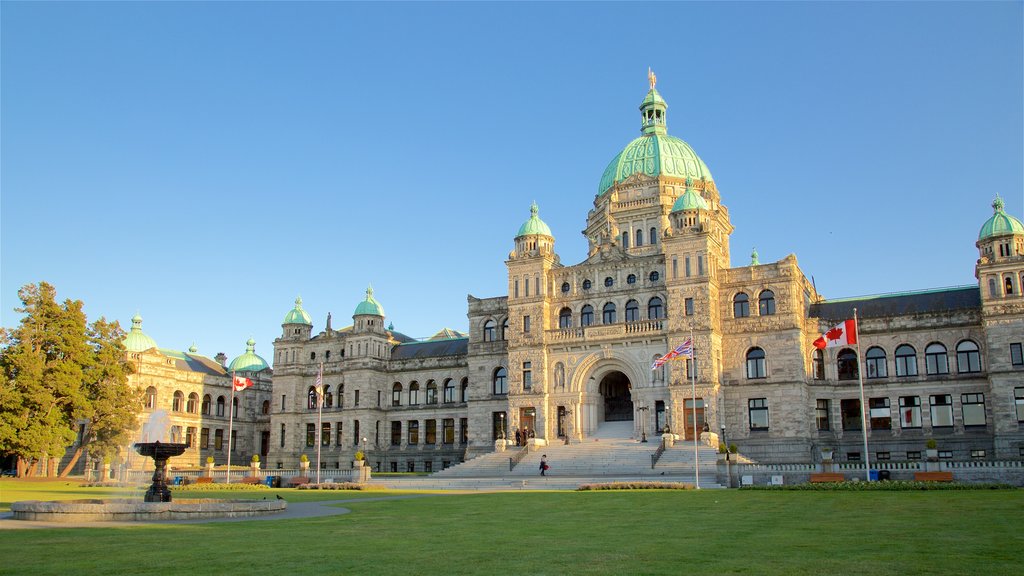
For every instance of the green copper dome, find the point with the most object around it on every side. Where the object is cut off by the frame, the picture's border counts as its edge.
(655, 153)
(250, 361)
(999, 224)
(136, 340)
(369, 305)
(534, 225)
(690, 200)
(297, 315)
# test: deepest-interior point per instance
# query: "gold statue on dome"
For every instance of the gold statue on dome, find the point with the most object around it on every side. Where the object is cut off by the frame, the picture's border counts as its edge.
(651, 77)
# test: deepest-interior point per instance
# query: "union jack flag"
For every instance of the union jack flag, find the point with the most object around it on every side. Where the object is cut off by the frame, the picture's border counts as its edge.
(684, 349)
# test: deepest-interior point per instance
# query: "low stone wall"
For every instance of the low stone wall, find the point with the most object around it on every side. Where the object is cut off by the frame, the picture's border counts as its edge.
(1003, 472)
(125, 510)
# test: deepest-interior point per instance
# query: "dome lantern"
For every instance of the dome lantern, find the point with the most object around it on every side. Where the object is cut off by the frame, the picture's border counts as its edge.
(250, 361)
(369, 305)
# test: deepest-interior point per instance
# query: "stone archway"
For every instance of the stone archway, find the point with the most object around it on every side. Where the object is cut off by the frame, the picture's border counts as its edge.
(617, 399)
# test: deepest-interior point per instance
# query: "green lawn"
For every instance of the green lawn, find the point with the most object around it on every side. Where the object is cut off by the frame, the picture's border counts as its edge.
(673, 532)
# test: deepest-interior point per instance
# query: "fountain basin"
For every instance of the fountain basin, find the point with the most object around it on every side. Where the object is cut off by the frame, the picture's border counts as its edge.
(126, 510)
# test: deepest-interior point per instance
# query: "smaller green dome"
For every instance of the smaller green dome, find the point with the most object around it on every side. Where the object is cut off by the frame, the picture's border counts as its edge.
(1000, 223)
(534, 225)
(298, 315)
(250, 361)
(690, 200)
(136, 340)
(754, 260)
(369, 306)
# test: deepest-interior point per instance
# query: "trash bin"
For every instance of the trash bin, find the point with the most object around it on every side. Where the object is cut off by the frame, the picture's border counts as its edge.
(276, 482)
(179, 480)
(873, 475)
(884, 475)
(269, 481)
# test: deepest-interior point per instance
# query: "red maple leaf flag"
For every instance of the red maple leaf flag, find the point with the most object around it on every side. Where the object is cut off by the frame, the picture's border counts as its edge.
(842, 334)
(241, 383)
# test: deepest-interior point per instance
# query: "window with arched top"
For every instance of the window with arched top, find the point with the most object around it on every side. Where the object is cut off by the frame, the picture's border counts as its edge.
(740, 305)
(640, 237)
(632, 311)
(586, 315)
(756, 364)
(193, 403)
(659, 372)
(311, 400)
(906, 360)
(490, 328)
(448, 391)
(818, 364)
(464, 391)
(586, 284)
(414, 393)
(500, 380)
(234, 407)
(992, 290)
(968, 357)
(206, 405)
(766, 303)
(328, 397)
(266, 407)
(655, 308)
(396, 394)
(625, 239)
(935, 359)
(565, 287)
(608, 313)
(654, 236)
(608, 282)
(565, 318)
(1008, 286)
(504, 329)
(220, 406)
(875, 362)
(178, 401)
(151, 398)
(846, 364)
(653, 277)
(431, 397)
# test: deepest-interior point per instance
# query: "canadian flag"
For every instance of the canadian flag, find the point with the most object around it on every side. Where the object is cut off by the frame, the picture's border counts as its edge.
(842, 334)
(241, 383)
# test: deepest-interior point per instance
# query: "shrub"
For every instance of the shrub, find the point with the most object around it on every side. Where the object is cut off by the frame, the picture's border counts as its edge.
(303, 458)
(255, 458)
(733, 448)
(640, 485)
(336, 486)
(360, 455)
(209, 459)
(931, 444)
(722, 448)
(197, 487)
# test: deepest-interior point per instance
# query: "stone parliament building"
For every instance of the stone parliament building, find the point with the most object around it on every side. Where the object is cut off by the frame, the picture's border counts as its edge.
(569, 349)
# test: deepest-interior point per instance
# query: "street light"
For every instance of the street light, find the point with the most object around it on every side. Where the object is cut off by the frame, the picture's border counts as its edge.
(501, 424)
(643, 423)
(724, 443)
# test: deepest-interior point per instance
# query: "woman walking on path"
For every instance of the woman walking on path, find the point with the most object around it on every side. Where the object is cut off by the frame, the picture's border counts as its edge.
(543, 464)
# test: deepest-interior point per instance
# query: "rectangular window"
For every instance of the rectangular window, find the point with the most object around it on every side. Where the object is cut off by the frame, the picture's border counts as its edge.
(396, 433)
(431, 432)
(910, 412)
(325, 433)
(688, 306)
(914, 455)
(204, 439)
(881, 416)
(282, 402)
(338, 440)
(882, 456)
(414, 432)
(515, 288)
(190, 436)
(282, 435)
(977, 454)
(821, 415)
(1018, 401)
(945, 454)
(853, 456)
(527, 376)
(758, 413)
(448, 430)
(310, 435)
(973, 407)
(356, 400)
(355, 432)
(686, 267)
(1016, 354)
(378, 398)
(700, 265)
(463, 430)
(850, 411)
(526, 286)
(675, 268)
(428, 465)
(410, 466)
(526, 324)
(218, 439)
(941, 410)
(234, 443)
(691, 365)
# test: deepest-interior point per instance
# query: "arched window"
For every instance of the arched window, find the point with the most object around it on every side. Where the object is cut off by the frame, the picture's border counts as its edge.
(193, 403)
(655, 309)
(741, 306)
(875, 361)
(968, 357)
(818, 364)
(565, 318)
(654, 236)
(449, 391)
(625, 239)
(328, 397)
(608, 313)
(935, 360)
(178, 402)
(490, 328)
(640, 237)
(206, 404)
(632, 311)
(992, 290)
(464, 391)
(631, 279)
(504, 329)
(1009, 285)
(431, 392)
(396, 394)
(220, 406)
(586, 315)
(266, 407)
(906, 360)
(608, 282)
(755, 364)
(766, 303)
(311, 398)
(414, 393)
(846, 363)
(653, 277)
(150, 397)
(500, 380)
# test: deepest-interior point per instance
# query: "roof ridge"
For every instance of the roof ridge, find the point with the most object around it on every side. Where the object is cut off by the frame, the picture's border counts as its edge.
(896, 294)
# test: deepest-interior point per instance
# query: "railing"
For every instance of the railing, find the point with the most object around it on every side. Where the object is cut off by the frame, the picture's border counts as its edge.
(657, 455)
(221, 476)
(603, 331)
(518, 457)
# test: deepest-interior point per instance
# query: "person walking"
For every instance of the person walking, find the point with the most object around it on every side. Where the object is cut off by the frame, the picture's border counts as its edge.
(543, 464)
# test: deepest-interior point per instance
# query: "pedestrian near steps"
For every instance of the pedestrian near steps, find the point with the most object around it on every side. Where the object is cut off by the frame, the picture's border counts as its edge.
(543, 464)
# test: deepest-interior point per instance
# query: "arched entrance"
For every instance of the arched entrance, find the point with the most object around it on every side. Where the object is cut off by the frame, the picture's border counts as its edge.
(618, 402)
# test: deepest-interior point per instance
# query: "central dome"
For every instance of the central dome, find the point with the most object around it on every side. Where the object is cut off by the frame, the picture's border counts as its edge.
(655, 153)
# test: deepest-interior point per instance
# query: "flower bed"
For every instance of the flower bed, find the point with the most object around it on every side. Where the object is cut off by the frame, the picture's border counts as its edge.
(335, 486)
(637, 486)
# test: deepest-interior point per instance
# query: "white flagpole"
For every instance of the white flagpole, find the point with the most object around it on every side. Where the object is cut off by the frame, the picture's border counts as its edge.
(863, 405)
(231, 422)
(319, 419)
(693, 390)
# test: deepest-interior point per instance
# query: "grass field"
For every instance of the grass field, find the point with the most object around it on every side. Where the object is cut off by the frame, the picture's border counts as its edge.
(644, 532)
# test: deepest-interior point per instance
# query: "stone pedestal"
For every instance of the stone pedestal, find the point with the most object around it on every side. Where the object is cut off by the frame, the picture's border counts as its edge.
(668, 440)
(499, 445)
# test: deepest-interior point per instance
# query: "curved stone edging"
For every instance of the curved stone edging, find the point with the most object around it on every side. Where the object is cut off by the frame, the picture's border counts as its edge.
(124, 510)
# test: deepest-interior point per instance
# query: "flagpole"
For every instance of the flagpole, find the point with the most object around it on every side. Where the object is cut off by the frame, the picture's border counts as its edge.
(319, 419)
(693, 390)
(863, 405)
(231, 422)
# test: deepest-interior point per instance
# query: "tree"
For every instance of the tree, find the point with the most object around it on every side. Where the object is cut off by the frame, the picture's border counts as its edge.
(57, 374)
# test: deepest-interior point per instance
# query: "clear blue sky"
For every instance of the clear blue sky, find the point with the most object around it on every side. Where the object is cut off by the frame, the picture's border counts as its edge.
(203, 164)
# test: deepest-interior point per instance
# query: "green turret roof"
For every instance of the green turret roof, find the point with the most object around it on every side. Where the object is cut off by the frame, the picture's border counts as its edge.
(690, 200)
(297, 315)
(534, 225)
(250, 361)
(136, 340)
(369, 305)
(1000, 223)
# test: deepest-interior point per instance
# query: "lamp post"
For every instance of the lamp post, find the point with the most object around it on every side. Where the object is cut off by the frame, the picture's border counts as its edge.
(724, 443)
(643, 423)
(501, 425)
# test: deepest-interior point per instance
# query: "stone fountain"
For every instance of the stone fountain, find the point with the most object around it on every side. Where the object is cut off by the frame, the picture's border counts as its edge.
(159, 452)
